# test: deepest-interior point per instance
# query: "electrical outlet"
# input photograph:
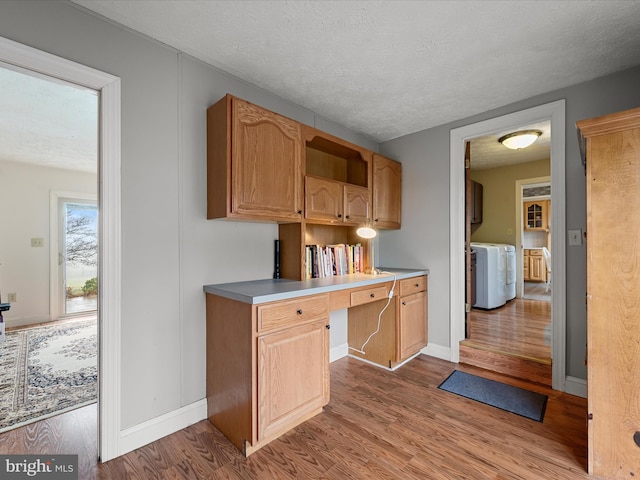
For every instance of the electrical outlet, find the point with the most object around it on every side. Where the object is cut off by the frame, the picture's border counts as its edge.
(12, 297)
(37, 242)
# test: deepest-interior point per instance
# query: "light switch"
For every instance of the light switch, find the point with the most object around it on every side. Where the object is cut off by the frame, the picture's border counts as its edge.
(575, 237)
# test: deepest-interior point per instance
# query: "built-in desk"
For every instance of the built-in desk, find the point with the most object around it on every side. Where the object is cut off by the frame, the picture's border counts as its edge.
(268, 344)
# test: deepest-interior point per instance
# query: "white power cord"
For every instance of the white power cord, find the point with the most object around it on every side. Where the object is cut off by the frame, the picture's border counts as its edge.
(390, 296)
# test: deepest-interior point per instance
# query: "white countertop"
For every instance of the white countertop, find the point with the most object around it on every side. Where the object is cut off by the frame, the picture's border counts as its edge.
(269, 290)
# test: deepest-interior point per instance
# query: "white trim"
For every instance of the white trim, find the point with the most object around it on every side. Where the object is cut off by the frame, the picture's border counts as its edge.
(338, 352)
(576, 386)
(437, 351)
(55, 294)
(520, 226)
(109, 308)
(555, 112)
(156, 428)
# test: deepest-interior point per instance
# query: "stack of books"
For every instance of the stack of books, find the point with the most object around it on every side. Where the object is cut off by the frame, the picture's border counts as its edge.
(330, 260)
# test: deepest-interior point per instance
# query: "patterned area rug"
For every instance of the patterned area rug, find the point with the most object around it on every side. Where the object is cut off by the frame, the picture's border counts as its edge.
(47, 370)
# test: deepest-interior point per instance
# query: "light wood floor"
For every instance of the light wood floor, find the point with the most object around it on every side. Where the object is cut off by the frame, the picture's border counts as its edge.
(521, 327)
(378, 424)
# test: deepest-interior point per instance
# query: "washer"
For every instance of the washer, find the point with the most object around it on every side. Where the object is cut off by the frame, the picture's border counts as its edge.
(490, 275)
(510, 265)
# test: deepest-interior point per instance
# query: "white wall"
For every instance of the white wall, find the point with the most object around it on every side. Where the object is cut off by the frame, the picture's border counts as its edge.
(424, 237)
(24, 214)
(169, 249)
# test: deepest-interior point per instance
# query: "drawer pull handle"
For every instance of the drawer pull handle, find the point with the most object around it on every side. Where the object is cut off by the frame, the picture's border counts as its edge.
(328, 327)
(299, 312)
(417, 284)
(373, 295)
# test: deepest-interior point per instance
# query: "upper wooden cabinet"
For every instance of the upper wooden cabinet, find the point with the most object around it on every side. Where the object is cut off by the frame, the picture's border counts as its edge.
(476, 202)
(254, 163)
(536, 215)
(335, 203)
(387, 192)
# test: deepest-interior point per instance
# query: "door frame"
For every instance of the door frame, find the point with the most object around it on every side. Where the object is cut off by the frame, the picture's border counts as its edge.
(555, 112)
(520, 184)
(109, 306)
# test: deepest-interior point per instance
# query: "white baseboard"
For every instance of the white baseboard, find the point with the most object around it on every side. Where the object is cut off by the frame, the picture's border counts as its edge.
(438, 351)
(338, 352)
(575, 386)
(156, 428)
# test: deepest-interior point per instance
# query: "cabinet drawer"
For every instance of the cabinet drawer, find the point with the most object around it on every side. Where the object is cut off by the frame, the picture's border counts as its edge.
(369, 295)
(535, 253)
(413, 285)
(292, 312)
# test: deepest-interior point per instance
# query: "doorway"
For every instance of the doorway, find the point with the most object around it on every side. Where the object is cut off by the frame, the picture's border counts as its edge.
(555, 113)
(109, 255)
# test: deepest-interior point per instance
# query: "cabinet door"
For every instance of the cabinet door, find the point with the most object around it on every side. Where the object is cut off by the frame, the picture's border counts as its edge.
(412, 324)
(537, 272)
(387, 192)
(266, 164)
(476, 199)
(323, 200)
(525, 265)
(356, 205)
(293, 376)
(535, 215)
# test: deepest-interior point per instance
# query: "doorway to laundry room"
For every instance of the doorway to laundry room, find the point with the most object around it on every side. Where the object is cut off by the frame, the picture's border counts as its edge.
(508, 325)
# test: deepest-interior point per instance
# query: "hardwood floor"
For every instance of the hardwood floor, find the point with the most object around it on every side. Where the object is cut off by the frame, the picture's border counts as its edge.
(520, 327)
(378, 424)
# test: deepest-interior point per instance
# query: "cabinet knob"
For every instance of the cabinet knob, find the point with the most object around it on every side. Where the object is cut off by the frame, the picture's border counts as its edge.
(376, 220)
(328, 327)
(417, 284)
(373, 295)
(347, 216)
(404, 303)
(299, 212)
(299, 312)
(339, 215)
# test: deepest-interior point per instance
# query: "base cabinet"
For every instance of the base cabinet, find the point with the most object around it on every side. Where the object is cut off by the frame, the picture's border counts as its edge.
(534, 268)
(412, 317)
(267, 366)
(293, 377)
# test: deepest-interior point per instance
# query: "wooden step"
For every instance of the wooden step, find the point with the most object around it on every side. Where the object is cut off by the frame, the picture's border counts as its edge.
(532, 369)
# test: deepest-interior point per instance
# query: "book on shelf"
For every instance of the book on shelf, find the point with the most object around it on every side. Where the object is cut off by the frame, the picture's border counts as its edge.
(329, 260)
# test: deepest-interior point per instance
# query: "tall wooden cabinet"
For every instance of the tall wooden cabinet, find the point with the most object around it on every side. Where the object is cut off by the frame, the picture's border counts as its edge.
(612, 152)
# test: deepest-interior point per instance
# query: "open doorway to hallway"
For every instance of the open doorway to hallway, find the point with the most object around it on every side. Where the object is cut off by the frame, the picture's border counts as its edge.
(48, 144)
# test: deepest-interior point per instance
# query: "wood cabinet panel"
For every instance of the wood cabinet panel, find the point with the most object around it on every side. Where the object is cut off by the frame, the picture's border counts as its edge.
(282, 314)
(293, 377)
(372, 294)
(254, 163)
(613, 290)
(413, 285)
(323, 200)
(412, 324)
(357, 207)
(477, 196)
(387, 192)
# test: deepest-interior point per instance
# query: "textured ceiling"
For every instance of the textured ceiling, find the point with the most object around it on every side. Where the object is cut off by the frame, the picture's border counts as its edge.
(389, 68)
(381, 68)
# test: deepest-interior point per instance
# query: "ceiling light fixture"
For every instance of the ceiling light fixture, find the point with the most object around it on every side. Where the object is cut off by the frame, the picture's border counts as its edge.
(519, 140)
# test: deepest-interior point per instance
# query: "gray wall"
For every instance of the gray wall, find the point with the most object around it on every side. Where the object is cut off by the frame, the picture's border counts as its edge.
(424, 237)
(169, 249)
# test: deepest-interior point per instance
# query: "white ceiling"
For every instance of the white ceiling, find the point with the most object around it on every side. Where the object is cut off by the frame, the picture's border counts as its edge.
(389, 68)
(47, 122)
